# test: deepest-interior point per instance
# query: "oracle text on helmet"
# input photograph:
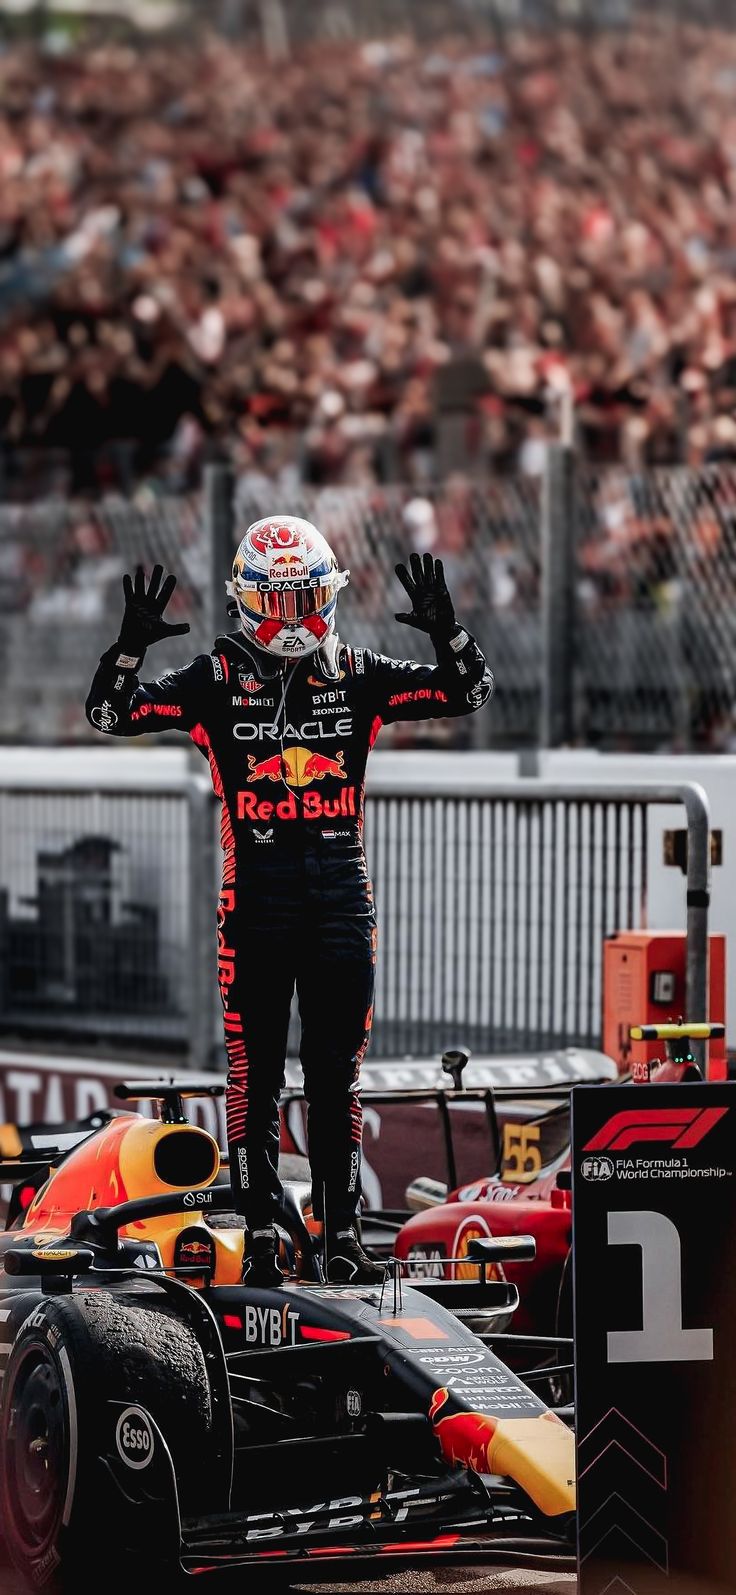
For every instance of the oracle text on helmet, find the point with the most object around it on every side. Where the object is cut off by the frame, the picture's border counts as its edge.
(285, 584)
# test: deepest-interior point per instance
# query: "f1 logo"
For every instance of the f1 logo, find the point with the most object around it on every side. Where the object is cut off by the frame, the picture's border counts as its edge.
(680, 1127)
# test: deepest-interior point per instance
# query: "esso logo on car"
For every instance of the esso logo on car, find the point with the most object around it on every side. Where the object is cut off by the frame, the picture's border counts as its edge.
(134, 1438)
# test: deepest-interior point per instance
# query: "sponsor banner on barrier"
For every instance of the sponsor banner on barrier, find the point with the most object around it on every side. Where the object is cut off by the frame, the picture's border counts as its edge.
(654, 1215)
(43, 1088)
(38, 1088)
(389, 1128)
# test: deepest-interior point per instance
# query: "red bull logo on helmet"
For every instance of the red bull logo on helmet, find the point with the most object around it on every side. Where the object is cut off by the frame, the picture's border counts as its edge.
(293, 563)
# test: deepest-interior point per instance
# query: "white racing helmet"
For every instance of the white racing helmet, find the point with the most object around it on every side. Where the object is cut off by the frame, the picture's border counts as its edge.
(285, 584)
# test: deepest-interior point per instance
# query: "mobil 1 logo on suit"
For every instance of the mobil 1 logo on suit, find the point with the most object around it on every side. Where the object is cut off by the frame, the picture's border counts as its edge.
(654, 1234)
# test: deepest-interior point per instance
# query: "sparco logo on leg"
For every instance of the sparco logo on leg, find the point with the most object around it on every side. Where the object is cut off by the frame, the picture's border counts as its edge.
(243, 1167)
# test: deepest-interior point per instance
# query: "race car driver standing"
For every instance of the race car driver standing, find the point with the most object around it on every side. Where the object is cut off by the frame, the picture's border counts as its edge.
(286, 715)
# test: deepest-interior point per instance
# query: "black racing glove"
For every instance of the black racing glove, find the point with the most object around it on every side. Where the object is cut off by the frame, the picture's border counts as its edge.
(432, 609)
(143, 621)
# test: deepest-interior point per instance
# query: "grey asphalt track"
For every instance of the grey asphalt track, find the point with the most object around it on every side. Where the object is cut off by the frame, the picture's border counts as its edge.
(479, 1581)
(456, 1581)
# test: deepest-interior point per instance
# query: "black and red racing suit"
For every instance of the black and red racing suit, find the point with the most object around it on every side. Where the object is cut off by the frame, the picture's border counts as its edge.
(287, 749)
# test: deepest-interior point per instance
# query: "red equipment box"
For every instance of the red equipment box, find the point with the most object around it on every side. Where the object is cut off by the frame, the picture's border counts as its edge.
(644, 983)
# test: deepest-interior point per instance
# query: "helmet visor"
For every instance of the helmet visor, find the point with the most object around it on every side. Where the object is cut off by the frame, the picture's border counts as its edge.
(295, 602)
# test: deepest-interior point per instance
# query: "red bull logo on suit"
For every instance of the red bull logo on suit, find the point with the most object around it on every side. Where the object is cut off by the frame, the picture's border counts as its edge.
(296, 766)
(312, 806)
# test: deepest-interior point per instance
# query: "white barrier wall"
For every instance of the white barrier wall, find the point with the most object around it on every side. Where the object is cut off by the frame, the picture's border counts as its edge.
(666, 903)
(666, 885)
(137, 870)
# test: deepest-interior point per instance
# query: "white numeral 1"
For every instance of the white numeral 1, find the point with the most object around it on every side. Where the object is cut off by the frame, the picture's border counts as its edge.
(661, 1337)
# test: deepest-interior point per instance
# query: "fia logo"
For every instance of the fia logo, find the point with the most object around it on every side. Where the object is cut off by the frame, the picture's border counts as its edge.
(597, 1168)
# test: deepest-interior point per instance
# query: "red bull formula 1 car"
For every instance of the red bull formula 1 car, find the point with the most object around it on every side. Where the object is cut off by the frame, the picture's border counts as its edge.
(152, 1403)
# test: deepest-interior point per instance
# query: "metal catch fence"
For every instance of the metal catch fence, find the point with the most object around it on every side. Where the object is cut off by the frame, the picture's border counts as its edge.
(283, 22)
(654, 648)
(61, 568)
(604, 600)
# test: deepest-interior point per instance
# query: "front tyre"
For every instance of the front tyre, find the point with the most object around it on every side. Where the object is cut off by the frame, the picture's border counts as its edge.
(105, 1403)
(38, 1446)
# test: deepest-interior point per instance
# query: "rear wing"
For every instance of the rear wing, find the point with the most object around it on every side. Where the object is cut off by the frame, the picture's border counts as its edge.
(680, 1061)
(709, 1030)
(555, 1101)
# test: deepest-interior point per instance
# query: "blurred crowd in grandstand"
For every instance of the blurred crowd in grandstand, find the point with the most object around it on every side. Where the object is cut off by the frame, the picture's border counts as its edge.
(370, 262)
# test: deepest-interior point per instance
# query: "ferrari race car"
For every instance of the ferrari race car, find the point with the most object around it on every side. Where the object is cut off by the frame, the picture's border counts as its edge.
(152, 1403)
(528, 1191)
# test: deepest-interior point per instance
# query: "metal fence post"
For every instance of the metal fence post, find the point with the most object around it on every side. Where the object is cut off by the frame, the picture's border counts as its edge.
(697, 808)
(274, 31)
(219, 520)
(558, 597)
(202, 973)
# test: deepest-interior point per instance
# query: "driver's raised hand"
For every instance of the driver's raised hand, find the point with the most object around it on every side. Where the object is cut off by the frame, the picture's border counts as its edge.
(143, 621)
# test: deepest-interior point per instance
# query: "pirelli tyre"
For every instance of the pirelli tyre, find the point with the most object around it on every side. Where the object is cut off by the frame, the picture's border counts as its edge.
(105, 1398)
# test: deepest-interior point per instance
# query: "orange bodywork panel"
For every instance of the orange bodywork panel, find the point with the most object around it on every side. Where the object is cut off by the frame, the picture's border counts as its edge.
(119, 1165)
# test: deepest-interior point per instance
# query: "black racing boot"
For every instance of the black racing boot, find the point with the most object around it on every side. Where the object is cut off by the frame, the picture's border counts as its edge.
(260, 1263)
(348, 1264)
